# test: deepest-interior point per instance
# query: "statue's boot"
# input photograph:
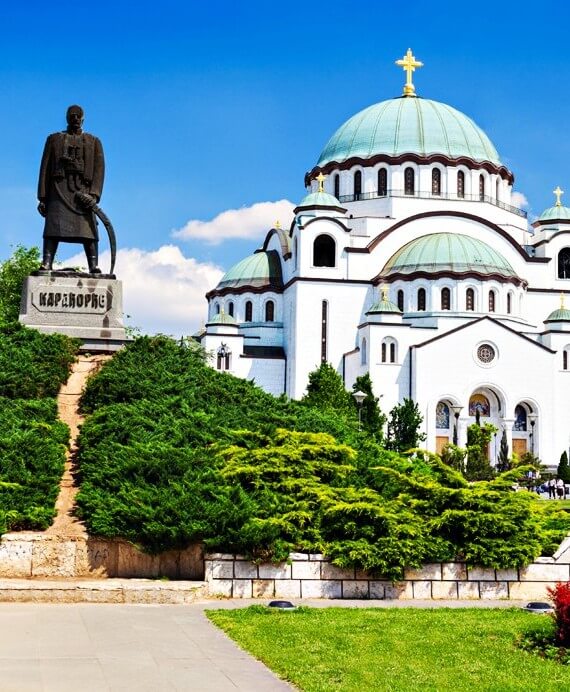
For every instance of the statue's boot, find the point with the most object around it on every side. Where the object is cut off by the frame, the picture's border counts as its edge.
(48, 255)
(92, 254)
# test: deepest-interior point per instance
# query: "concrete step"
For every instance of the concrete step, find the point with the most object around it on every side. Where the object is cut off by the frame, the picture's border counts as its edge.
(147, 591)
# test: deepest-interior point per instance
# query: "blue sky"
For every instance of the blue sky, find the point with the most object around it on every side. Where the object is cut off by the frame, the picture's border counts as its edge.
(207, 107)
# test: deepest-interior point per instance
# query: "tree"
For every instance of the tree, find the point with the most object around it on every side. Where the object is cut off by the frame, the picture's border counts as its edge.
(326, 391)
(454, 456)
(504, 463)
(404, 425)
(12, 274)
(563, 468)
(371, 417)
(478, 467)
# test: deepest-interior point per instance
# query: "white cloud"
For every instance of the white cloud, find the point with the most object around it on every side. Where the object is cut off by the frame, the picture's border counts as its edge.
(246, 223)
(519, 200)
(163, 291)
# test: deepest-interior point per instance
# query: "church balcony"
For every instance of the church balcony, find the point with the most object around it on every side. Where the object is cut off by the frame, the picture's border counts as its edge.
(362, 196)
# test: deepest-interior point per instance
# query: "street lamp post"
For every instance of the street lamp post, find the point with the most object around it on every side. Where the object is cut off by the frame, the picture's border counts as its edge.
(359, 398)
(532, 418)
(456, 411)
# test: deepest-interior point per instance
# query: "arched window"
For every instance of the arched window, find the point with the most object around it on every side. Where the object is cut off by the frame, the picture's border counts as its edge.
(296, 253)
(384, 351)
(470, 299)
(409, 182)
(382, 182)
(482, 188)
(491, 301)
(357, 184)
(436, 181)
(421, 299)
(445, 299)
(223, 360)
(520, 418)
(509, 303)
(497, 189)
(389, 350)
(479, 404)
(461, 184)
(363, 352)
(564, 359)
(401, 300)
(231, 308)
(392, 352)
(248, 311)
(217, 308)
(269, 311)
(324, 251)
(564, 263)
(324, 325)
(442, 416)
(337, 186)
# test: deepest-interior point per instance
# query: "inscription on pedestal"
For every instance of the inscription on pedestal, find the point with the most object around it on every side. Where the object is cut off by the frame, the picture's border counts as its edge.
(90, 301)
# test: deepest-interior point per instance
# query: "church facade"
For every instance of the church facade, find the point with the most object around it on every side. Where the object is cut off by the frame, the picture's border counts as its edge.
(407, 259)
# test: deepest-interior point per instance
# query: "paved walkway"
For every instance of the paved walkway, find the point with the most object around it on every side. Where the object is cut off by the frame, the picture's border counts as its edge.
(100, 647)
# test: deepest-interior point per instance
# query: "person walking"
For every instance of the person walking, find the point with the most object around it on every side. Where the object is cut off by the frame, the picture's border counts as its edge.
(560, 488)
(551, 486)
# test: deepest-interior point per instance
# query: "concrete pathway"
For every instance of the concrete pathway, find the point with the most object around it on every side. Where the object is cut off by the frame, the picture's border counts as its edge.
(100, 647)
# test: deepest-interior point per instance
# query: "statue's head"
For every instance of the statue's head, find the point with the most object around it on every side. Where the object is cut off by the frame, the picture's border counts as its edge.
(74, 118)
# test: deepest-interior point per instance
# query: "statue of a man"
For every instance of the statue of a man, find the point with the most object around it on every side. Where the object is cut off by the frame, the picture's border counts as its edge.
(70, 184)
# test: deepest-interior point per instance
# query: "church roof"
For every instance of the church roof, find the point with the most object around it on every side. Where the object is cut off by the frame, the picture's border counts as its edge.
(385, 306)
(555, 213)
(447, 252)
(260, 270)
(319, 199)
(409, 125)
(222, 318)
(560, 315)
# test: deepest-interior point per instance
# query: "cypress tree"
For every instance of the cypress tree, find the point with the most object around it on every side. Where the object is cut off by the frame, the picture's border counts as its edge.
(504, 461)
(563, 468)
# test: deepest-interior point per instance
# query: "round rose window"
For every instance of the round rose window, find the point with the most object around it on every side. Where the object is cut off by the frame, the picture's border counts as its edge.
(486, 353)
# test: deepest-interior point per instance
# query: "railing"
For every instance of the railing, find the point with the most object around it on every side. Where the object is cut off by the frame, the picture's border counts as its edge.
(432, 195)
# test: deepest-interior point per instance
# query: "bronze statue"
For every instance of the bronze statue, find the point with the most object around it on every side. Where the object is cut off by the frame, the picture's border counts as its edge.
(70, 186)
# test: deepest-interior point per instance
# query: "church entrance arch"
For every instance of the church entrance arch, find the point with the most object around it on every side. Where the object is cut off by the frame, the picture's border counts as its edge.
(525, 429)
(486, 405)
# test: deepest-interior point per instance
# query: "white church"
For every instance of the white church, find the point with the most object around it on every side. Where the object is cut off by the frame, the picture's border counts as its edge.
(408, 260)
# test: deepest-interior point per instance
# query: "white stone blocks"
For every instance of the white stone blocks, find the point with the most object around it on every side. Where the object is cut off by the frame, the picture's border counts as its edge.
(377, 589)
(468, 590)
(430, 571)
(454, 571)
(507, 574)
(263, 588)
(444, 590)
(282, 571)
(245, 570)
(298, 557)
(329, 571)
(15, 558)
(288, 588)
(422, 589)
(398, 590)
(545, 572)
(221, 570)
(530, 590)
(242, 588)
(481, 574)
(493, 590)
(306, 570)
(321, 588)
(221, 587)
(355, 589)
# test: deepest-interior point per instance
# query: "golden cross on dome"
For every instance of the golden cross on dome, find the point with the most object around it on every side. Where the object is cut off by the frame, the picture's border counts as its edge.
(409, 63)
(278, 224)
(558, 192)
(321, 180)
(384, 290)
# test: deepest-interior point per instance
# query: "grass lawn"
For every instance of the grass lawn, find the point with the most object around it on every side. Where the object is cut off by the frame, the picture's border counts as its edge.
(365, 650)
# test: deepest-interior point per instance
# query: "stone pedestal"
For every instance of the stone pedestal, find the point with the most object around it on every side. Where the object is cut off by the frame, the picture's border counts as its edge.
(80, 306)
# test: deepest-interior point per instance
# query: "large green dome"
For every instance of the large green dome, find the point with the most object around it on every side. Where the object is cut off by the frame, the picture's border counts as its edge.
(260, 270)
(409, 126)
(447, 252)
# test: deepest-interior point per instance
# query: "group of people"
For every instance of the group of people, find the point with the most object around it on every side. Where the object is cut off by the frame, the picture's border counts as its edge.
(556, 488)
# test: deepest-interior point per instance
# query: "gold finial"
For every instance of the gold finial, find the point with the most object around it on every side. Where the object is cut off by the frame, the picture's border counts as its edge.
(558, 192)
(222, 311)
(278, 224)
(409, 63)
(562, 301)
(384, 290)
(321, 180)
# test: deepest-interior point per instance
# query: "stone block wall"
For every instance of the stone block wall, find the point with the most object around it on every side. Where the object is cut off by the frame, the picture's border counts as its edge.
(312, 576)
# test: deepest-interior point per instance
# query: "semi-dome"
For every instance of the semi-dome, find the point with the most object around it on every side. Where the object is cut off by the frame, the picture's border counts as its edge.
(319, 199)
(452, 253)
(260, 270)
(409, 126)
(222, 318)
(560, 315)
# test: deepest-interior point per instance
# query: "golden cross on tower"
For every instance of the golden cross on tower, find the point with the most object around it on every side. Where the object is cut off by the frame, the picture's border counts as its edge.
(321, 180)
(384, 290)
(278, 224)
(409, 63)
(558, 192)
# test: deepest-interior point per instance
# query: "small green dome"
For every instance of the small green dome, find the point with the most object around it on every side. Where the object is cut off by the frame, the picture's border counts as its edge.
(260, 270)
(449, 252)
(319, 199)
(222, 318)
(384, 306)
(555, 213)
(560, 315)
(409, 126)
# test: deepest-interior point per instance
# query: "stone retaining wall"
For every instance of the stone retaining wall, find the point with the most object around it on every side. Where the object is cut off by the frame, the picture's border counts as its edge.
(312, 576)
(30, 554)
